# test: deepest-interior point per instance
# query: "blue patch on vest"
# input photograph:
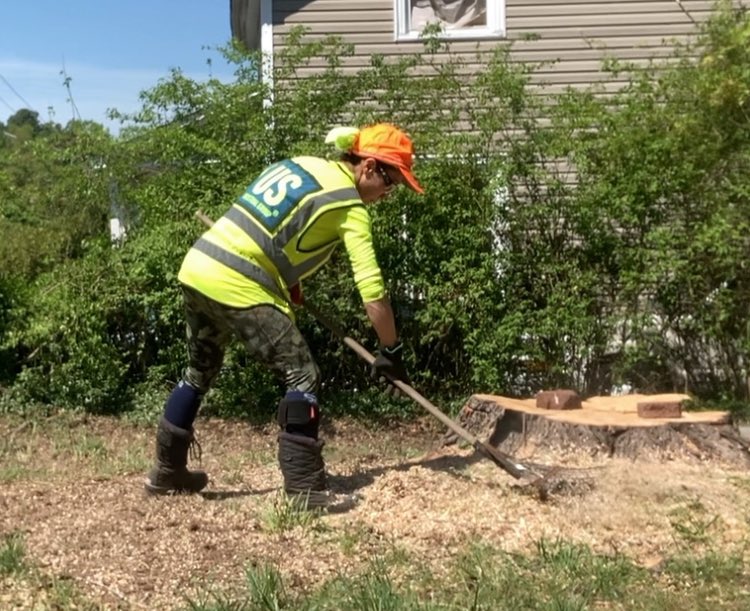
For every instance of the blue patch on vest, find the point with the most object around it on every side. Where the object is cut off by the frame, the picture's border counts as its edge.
(276, 192)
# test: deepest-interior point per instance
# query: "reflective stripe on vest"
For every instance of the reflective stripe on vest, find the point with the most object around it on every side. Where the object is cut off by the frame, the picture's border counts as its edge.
(273, 246)
(238, 264)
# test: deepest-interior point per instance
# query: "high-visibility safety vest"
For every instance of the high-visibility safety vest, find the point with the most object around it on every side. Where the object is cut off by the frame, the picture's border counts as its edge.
(282, 229)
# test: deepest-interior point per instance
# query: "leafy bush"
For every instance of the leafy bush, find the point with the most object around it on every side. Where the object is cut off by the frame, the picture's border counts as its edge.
(578, 241)
(665, 178)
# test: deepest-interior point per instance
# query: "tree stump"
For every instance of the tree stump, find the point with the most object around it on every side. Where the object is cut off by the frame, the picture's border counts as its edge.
(515, 425)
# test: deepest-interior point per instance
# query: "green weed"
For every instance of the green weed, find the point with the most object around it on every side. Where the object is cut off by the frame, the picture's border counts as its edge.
(691, 522)
(54, 592)
(234, 477)
(351, 538)
(215, 601)
(133, 460)
(265, 588)
(709, 568)
(374, 589)
(263, 591)
(13, 472)
(89, 446)
(62, 593)
(558, 575)
(286, 512)
(375, 592)
(13, 555)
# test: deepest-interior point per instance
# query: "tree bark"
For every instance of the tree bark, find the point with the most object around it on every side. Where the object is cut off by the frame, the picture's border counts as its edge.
(514, 428)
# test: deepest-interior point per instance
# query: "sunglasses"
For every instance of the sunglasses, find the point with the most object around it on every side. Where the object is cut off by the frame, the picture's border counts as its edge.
(387, 180)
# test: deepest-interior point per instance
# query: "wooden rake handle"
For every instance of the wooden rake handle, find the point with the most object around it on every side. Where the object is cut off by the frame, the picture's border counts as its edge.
(510, 465)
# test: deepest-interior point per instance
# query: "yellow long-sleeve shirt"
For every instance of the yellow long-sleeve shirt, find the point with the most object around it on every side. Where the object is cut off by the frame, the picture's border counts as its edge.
(281, 230)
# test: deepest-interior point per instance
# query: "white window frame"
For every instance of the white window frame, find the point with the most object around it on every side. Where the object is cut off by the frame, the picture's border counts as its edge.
(495, 27)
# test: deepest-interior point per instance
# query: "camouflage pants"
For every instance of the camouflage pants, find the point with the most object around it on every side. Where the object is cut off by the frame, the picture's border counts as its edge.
(268, 334)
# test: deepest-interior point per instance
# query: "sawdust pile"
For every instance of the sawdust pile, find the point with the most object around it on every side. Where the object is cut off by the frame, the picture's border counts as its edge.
(87, 521)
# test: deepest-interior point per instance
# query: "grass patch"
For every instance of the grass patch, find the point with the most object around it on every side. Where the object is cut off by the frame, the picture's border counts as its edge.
(88, 446)
(263, 591)
(129, 461)
(712, 567)
(19, 577)
(560, 575)
(75, 443)
(375, 590)
(13, 471)
(134, 460)
(16, 452)
(12, 554)
(351, 537)
(692, 523)
(285, 513)
(36, 446)
(235, 465)
(62, 593)
(557, 575)
(265, 588)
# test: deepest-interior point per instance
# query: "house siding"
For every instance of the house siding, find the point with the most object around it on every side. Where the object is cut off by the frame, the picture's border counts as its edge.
(575, 35)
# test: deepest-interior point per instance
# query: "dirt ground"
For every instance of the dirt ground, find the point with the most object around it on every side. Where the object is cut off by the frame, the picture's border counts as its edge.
(73, 488)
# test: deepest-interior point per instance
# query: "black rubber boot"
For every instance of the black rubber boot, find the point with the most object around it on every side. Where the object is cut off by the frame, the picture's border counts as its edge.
(170, 475)
(301, 462)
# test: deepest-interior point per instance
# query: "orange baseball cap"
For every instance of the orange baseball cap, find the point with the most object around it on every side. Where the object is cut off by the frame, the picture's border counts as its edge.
(388, 144)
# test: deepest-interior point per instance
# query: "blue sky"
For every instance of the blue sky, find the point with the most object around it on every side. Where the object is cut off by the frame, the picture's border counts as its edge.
(110, 49)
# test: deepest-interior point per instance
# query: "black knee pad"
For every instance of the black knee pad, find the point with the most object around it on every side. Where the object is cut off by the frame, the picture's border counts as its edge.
(299, 414)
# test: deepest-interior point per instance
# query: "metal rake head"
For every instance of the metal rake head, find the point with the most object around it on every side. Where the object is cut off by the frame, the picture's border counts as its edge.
(546, 482)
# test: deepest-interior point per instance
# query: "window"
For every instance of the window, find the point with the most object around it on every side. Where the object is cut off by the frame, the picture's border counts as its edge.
(458, 18)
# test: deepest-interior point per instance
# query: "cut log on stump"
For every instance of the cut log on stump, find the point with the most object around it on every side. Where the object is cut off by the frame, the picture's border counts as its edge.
(660, 409)
(515, 425)
(558, 399)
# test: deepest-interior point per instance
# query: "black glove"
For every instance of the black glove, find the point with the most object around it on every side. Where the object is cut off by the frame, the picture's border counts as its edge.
(388, 367)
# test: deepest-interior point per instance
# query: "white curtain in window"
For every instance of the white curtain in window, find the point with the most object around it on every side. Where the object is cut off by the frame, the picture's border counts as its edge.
(451, 13)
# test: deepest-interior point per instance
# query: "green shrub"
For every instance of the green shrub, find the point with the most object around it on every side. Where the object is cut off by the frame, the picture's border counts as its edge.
(507, 277)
